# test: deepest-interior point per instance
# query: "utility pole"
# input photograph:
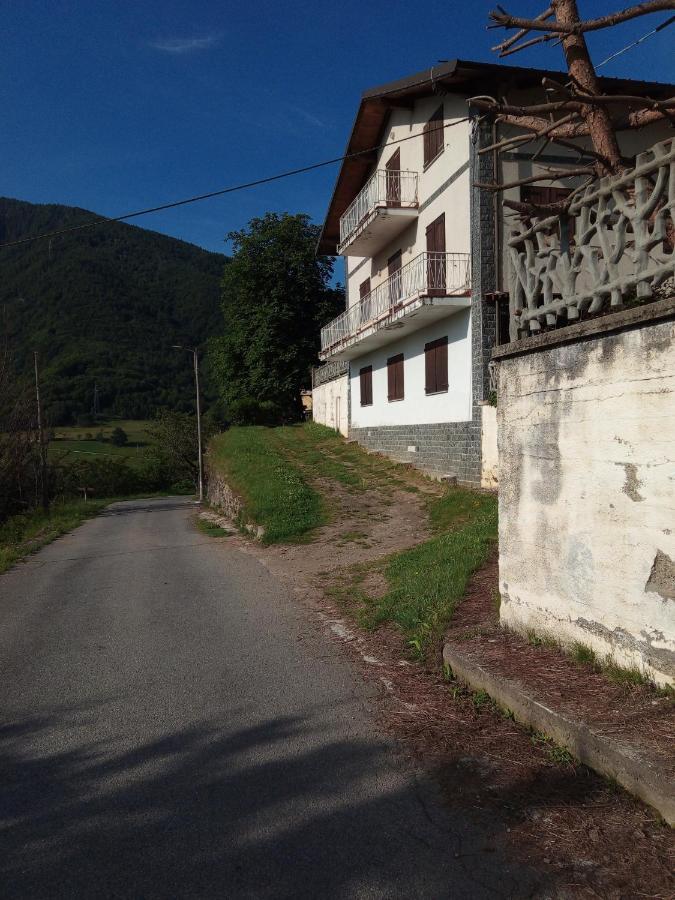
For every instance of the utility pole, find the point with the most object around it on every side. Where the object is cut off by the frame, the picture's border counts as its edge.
(199, 427)
(41, 439)
(195, 359)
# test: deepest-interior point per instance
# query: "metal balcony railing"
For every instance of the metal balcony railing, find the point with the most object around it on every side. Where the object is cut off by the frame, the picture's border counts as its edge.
(386, 187)
(428, 274)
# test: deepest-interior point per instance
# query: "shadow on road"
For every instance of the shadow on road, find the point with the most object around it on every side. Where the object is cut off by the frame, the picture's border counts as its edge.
(217, 812)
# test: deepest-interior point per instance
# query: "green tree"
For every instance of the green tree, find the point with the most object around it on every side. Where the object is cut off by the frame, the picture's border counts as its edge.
(118, 437)
(276, 295)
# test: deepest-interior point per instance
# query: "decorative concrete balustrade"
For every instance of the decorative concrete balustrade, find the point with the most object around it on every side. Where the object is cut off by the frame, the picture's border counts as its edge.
(614, 247)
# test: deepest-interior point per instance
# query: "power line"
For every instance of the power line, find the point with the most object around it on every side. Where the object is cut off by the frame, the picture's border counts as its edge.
(229, 190)
(638, 41)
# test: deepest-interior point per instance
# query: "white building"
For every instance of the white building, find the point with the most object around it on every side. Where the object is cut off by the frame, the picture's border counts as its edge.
(424, 267)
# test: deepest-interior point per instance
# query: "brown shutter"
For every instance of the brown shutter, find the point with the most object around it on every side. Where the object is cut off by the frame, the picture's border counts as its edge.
(366, 379)
(429, 369)
(400, 384)
(364, 288)
(442, 364)
(395, 377)
(436, 366)
(433, 136)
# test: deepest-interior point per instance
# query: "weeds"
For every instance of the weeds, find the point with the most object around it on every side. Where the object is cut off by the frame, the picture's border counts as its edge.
(211, 528)
(541, 640)
(555, 752)
(584, 655)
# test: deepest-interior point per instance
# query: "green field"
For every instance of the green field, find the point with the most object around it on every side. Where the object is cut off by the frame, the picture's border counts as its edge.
(78, 441)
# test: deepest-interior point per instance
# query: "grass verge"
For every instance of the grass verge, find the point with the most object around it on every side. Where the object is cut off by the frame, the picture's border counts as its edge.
(24, 534)
(275, 493)
(424, 584)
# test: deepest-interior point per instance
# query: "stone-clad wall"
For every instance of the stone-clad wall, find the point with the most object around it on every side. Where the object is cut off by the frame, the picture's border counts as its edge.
(587, 486)
(449, 448)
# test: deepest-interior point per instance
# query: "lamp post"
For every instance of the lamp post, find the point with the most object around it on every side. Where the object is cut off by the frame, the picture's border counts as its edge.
(195, 359)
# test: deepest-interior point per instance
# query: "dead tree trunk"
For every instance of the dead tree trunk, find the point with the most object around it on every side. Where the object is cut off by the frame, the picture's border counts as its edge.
(582, 73)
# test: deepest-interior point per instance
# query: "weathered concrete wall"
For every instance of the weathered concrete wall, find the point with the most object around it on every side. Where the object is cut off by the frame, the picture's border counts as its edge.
(587, 493)
(489, 452)
(330, 404)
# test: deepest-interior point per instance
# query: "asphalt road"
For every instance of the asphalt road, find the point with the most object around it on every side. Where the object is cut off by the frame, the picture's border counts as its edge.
(175, 725)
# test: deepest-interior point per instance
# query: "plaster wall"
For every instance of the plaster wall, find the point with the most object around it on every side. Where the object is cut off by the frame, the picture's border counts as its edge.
(453, 405)
(443, 188)
(587, 494)
(331, 404)
(489, 474)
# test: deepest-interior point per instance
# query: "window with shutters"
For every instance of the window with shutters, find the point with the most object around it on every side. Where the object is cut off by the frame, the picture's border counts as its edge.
(433, 137)
(395, 389)
(436, 366)
(366, 379)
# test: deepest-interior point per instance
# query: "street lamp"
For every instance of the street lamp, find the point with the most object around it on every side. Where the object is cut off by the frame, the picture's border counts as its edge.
(193, 351)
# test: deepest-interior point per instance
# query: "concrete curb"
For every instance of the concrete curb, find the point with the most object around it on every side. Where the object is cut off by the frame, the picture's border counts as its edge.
(635, 773)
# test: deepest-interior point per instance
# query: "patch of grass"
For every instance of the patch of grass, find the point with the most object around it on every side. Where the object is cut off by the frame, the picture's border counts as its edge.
(481, 700)
(561, 756)
(630, 677)
(24, 534)
(536, 639)
(584, 655)
(322, 453)
(211, 528)
(275, 493)
(427, 581)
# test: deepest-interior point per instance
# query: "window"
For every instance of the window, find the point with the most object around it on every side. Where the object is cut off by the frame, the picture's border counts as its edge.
(433, 137)
(366, 378)
(436, 366)
(395, 377)
(364, 288)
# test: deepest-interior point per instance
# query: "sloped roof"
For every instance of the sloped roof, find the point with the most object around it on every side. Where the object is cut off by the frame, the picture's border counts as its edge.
(462, 76)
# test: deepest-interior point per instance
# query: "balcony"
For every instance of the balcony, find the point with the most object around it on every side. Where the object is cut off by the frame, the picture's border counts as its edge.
(429, 287)
(382, 209)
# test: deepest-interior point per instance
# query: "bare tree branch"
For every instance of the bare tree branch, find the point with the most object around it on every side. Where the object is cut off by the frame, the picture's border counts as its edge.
(552, 175)
(516, 37)
(502, 19)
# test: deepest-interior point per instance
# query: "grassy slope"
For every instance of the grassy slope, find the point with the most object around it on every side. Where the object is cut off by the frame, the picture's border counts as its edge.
(269, 468)
(274, 491)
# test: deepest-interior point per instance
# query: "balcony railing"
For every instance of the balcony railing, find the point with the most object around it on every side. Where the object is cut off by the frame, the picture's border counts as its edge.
(430, 274)
(386, 187)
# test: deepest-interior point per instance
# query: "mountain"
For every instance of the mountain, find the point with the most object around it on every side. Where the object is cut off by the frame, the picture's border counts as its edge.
(103, 307)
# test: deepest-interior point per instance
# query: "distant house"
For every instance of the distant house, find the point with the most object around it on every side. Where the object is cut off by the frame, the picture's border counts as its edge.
(426, 266)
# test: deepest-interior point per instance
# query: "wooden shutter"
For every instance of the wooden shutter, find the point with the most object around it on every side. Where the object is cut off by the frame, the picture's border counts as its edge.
(393, 271)
(433, 137)
(436, 274)
(436, 366)
(395, 386)
(442, 364)
(364, 288)
(429, 369)
(366, 380)
(393, 168)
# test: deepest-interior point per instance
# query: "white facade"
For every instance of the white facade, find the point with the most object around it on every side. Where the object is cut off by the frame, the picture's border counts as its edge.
(330, 404)
(443, 189)
(417, 406)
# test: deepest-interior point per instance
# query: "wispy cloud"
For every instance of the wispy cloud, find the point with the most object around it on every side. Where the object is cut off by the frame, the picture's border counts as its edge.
(307, 116)
(179, 46)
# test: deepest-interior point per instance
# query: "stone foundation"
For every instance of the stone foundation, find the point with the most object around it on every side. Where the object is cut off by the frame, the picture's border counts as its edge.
(448, 448)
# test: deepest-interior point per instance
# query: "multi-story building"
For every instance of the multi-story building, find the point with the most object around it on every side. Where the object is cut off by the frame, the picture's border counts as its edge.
(425, 265)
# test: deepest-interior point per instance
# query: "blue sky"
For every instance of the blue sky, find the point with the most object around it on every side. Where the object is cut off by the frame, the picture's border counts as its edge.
(118, 105)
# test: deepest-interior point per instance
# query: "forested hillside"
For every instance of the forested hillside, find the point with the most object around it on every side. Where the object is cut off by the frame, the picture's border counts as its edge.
(103, 307)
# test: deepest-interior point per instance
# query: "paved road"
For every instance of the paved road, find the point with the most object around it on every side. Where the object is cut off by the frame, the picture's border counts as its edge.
(173, 725)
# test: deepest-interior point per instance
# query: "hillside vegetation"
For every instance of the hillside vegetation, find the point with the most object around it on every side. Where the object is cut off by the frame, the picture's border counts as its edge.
(103, 307)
